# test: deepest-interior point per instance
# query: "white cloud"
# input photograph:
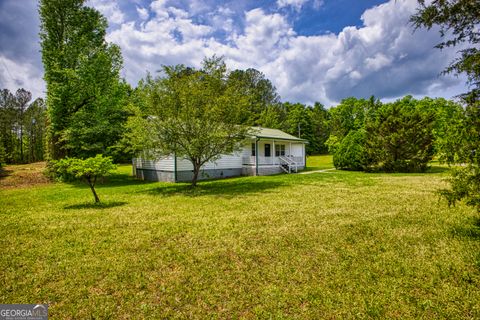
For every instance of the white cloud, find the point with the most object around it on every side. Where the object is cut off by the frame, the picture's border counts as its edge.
(383, 57)
(15, 75)
(295, 4)
(109, 9)
(142, 13)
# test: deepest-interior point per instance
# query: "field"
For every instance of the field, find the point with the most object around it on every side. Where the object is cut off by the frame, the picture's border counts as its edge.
(328, 245)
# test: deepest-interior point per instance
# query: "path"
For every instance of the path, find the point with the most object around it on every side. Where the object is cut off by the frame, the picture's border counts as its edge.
(317, 171)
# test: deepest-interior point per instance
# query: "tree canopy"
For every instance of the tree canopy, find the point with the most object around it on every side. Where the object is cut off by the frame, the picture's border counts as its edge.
(89, 170)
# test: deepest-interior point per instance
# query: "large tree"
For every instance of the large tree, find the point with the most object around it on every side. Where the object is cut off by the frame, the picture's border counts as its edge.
(84, 92)
(195, 113)
(459, 27)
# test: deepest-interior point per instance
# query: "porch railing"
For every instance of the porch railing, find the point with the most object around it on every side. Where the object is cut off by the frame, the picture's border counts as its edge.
(271, 160)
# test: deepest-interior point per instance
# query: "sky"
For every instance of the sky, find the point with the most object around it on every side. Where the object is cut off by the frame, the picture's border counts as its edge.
(311, 50)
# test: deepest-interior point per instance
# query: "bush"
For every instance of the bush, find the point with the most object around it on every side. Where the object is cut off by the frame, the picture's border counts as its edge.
(350, 152)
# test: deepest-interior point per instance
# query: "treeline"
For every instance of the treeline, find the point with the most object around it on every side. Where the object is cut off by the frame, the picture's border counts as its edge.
(362, 134)
(22, 127)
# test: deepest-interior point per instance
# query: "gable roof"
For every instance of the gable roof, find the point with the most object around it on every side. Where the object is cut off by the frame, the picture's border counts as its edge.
(267, 133)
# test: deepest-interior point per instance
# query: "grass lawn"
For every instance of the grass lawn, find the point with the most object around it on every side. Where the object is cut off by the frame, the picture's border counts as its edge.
(323, 245)
(319, 162)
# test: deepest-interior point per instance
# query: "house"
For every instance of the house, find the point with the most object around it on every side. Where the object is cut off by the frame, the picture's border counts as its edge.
(266, 152)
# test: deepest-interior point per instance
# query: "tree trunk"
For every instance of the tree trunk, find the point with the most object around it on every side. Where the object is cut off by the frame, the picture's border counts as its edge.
(196, 170)
(92, 187)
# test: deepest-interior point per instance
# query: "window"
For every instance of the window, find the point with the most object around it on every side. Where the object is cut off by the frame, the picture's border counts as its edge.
(267, 150)
(279, 150)
(253, 149)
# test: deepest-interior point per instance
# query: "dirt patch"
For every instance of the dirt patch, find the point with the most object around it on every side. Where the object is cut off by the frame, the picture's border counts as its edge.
(23, 175)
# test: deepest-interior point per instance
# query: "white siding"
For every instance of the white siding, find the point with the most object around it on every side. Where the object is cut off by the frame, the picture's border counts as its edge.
(163, 164)
(297, 149)
(247, 149)
(184, 165)
(225, 162)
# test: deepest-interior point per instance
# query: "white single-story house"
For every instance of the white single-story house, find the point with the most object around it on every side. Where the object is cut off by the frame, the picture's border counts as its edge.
(267, 151)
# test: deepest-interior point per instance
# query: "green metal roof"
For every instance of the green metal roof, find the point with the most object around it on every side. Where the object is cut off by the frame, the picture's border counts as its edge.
(267, 133)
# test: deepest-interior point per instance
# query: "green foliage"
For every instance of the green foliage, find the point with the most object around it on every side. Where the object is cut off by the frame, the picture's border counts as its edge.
(332, 143)
(195, 114)
(2, 155)
(458, 22)
(393, 137)
(350, 153)
(88, 170)
(22, 127)
(400, 137)
(262, 100)
(85, 96)
(464, 185)
(350, 115)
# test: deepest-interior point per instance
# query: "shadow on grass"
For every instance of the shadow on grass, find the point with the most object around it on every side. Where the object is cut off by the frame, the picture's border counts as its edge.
(437, 169)
(4, 173)
(228, 188)
(93, 205)
(113, 180)
(470, 230)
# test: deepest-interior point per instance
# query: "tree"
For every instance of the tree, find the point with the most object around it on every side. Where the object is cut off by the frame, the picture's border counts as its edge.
(393, 137)
(320, 123)
(350, 153)
(22, 98)
(261, 94)
(85, 96)
(400, 137)
(88, 170)
(7, 125)
(195, 113)
(458, 22)
(35, 123)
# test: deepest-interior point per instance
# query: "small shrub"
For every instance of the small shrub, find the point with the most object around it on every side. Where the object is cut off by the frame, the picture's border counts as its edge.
(88, 170)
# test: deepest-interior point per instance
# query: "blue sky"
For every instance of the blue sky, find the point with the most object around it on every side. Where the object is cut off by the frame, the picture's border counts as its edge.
(312, 50)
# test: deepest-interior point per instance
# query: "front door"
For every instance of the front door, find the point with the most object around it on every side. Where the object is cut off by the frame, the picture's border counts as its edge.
(267, 150)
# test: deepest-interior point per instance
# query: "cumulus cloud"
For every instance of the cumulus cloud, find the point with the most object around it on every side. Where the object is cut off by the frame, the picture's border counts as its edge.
(142, 13)
(109, 9)
(20, 60)
(295, 4)
(15, 75)
(382, 58)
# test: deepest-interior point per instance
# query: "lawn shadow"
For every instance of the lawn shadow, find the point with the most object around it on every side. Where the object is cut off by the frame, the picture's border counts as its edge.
(470, 230)
(227, 188)
(437, 169)
(113, 180)
(5, 173)
(93, 205)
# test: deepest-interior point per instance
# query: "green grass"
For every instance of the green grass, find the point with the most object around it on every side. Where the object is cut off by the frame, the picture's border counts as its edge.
(320, 162)
(324, 245)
